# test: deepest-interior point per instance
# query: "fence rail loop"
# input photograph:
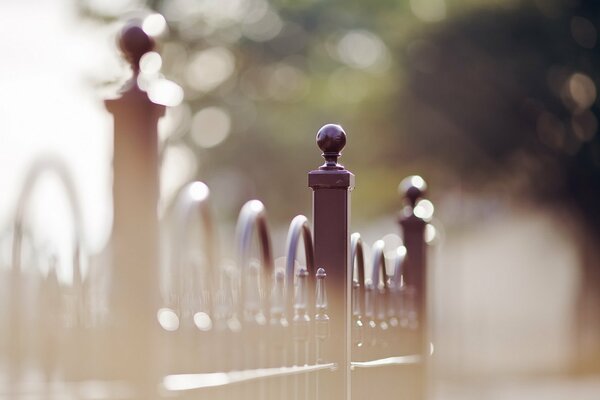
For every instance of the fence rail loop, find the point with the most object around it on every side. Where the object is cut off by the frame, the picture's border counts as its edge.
(72, 313)
(254, 280)
(193, 201)
(300, 297)
(414, 292)
(299, 229)
(376, 289)
(394, 299)
(253, 218)
(357, 261)
(190, 281)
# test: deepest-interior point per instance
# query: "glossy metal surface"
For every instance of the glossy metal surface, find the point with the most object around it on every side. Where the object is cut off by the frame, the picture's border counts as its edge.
(412, 189)
(300, 297)
(253, 218)
(331, 184)
(248, 327)
(299, 229)
(357, 261)
(255, 278)
(183, 382)
(388, 361)
(193, 201)
(134, 287)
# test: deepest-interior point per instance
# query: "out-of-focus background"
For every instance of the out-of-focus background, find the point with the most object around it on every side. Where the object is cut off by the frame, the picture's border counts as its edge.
(493, 102)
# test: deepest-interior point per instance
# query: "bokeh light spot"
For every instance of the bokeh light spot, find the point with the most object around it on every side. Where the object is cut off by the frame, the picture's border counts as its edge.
(150, 63)
(429, 10)
(209, 68)
(165, 92)
(581, 90)
(424, 209)
(210, 127)
(198, 191)
(202, 321)
(362, 49)
(168, 319)
(154, 25)
(266, 28)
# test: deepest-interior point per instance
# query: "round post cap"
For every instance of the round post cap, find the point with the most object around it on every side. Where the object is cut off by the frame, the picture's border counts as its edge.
(134, 43)
(331, 139)
(412, 188)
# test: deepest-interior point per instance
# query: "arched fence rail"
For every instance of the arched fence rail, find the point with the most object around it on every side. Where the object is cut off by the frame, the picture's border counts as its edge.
(189, 325)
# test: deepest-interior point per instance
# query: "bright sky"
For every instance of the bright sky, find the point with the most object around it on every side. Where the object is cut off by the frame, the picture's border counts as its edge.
(48, 106)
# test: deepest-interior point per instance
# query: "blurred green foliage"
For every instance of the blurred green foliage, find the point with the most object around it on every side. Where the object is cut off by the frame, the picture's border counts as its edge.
(511, 96)
(297, 66)
(474, 91)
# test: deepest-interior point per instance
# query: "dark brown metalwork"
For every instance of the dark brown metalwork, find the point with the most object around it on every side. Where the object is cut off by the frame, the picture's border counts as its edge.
(253, 216)
(331, 184)
(395, 304)
(379, 284)
(134, 238)
(278, 335)
(255, 280)
(396, 278)
(299, 228)
(299, 304)
(375, 293)
(301, 327)
(412, 189)
(413, 229)
(357, 261)
(257, 330)
(322, 322)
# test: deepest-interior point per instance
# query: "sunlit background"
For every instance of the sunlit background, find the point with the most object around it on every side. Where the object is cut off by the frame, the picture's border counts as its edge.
(493, 102)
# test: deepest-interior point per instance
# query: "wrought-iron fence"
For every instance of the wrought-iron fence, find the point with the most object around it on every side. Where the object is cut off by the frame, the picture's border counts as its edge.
(323, 330)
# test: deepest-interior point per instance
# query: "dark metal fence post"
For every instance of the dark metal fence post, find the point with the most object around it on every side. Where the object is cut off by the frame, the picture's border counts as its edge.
(413, 226)
(134, 291)
(331, 184)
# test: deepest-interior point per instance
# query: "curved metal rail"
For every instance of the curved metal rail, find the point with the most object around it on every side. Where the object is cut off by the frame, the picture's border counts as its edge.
(299, 228)
(399, 262)
(253, 216)
(50, 287)
(379, 278)
(56, 166)
(194, 199)
(357, 261)
(300, 306)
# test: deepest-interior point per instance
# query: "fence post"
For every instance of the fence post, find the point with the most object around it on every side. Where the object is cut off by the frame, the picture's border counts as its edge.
(413, 226)
(331, 185)
(134, 280)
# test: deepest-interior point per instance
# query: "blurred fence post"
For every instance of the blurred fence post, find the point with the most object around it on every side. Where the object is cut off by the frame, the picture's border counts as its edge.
(134, 281)
(331, 184)
(413, 226)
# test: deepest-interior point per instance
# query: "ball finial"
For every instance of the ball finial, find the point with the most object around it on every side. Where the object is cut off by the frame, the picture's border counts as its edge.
(134, 43)
(331, 139)
(412, 188)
